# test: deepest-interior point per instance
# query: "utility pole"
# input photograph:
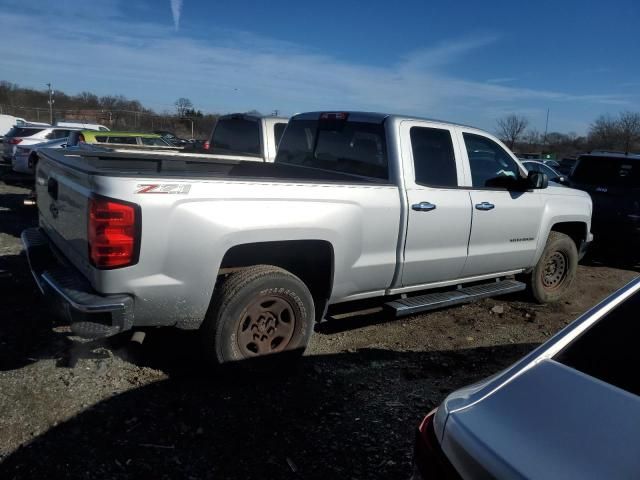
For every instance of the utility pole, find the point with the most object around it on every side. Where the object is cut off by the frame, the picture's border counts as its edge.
(546, 127)
(50, 104)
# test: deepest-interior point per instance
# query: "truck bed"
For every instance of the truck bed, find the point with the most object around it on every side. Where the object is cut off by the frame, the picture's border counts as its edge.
(154, 164)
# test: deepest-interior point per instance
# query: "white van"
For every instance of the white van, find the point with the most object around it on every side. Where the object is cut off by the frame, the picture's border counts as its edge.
(7, 122)
(84, 126)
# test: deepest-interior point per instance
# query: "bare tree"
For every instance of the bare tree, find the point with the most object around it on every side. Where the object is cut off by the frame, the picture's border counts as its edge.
(604, 133)
(629, 129)
(532, 138)
(182, 106)
(511, 128)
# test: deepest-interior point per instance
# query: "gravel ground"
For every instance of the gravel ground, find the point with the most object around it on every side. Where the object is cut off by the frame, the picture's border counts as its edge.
(118, 409)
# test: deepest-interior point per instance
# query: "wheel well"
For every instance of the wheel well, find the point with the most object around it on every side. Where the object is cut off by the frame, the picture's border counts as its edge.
(577, 231)
(310, 260)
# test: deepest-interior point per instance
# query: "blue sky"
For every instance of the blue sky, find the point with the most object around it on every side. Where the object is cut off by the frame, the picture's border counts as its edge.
(464, 61)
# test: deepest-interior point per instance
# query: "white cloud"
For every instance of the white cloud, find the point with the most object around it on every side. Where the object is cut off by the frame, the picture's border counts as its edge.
(176, 11)
(241, 72)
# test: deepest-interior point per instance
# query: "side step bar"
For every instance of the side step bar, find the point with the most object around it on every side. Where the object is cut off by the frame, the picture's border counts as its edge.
(432, 301)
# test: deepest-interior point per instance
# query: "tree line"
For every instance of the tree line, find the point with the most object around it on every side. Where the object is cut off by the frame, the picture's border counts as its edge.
(115, 111)
(614, 133)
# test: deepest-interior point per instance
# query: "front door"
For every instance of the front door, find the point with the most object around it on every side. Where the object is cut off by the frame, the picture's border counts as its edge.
(505, 222)
(439, 218)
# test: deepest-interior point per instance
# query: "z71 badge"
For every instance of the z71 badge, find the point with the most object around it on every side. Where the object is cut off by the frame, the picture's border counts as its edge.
(175, 188)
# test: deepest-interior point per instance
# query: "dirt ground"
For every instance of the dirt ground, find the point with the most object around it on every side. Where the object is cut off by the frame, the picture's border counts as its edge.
(348, 409)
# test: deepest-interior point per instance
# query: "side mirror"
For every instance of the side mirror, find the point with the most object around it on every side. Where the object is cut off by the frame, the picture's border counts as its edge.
(537, 180)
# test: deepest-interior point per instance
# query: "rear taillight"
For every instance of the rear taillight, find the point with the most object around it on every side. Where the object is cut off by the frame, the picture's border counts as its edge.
(113, 232)
(206, 145)
(14, 141)
(429, 458)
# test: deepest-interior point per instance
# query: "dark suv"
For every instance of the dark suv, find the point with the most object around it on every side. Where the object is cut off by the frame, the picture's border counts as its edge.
(613, 181)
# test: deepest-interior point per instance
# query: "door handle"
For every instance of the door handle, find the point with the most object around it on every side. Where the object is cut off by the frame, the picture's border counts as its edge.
(423, 207)
(485, 206)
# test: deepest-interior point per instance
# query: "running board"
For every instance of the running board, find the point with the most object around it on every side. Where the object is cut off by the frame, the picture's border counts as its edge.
(432, 301)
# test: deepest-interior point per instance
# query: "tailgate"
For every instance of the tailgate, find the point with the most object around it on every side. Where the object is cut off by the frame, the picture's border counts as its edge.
(63, 202)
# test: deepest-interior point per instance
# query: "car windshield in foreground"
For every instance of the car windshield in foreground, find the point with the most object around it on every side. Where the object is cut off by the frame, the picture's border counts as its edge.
(355, 148)
(23, 131)
(609, 350)
(607, 172)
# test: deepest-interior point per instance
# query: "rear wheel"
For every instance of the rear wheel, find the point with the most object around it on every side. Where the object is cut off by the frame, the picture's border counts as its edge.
(555, 272)
(257, 312)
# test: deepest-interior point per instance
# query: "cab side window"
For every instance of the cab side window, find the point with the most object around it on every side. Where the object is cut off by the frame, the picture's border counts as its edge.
(491, 166)
(434, 160)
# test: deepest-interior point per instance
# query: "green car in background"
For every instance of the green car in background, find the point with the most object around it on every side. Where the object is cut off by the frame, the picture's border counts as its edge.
(120, 139)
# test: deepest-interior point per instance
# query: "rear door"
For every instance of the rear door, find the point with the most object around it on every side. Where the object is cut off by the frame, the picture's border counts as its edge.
(439, 219)
(505, 222)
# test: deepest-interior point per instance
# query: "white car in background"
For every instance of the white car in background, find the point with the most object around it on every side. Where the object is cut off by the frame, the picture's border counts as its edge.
(26, 156)
(84, 126)
(7, 122)
(31, 135)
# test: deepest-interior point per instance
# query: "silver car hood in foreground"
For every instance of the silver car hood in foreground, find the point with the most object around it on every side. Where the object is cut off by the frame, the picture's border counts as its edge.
(550, 422)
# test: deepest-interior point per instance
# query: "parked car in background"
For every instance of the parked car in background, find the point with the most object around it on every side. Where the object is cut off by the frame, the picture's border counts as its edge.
(568, 410)
(120, 139)
(7, 122)
(536, 166)
(551, 163)
(25, 158)
(355, 206)
(30, 135)
(171, 137)
(613, 182)
(246, 137)
(566, 165)
(83, 126)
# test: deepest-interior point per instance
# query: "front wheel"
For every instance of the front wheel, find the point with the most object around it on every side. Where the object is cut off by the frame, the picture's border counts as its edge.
(555, 272)
(257, 312)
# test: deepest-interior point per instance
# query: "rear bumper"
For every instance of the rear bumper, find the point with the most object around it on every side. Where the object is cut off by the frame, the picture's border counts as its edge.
(91, 315)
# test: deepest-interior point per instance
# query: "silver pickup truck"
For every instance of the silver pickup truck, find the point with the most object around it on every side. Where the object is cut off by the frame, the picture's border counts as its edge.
(417, 213)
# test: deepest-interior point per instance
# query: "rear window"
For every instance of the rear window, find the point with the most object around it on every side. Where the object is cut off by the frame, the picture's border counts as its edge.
(609, 350)
(23, 131)
(356, 148)
(240, 136)
(607, 171)
(154, 142)
(119, 140)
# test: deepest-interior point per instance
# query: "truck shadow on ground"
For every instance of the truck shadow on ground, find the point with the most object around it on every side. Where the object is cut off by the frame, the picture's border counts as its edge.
(331, 416)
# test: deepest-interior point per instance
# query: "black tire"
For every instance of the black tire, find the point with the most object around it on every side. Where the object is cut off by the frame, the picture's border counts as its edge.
(553, 275)
(244, 321)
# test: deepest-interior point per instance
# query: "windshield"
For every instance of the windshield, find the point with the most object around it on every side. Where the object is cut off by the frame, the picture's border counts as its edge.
(607, 171)
(356, 148)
